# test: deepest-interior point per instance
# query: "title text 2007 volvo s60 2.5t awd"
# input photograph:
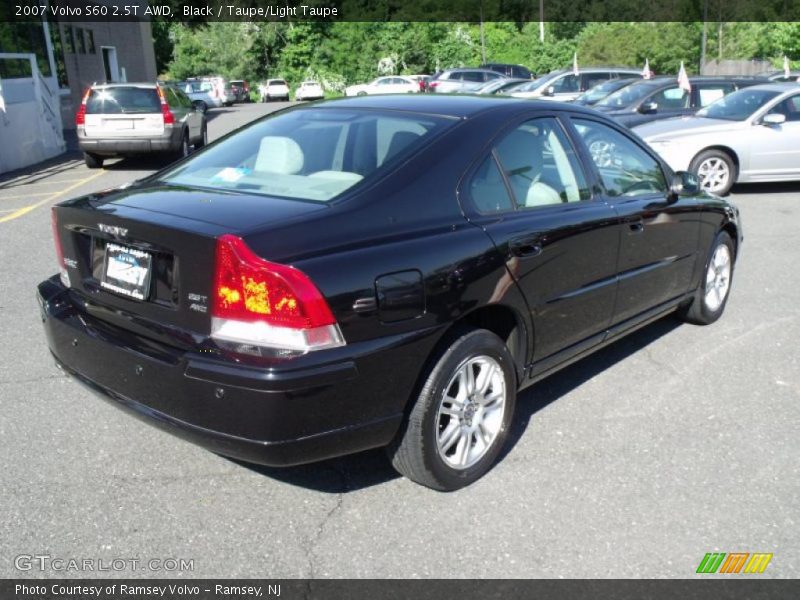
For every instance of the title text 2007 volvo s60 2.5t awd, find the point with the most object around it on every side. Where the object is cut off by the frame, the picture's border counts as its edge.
(378, 272)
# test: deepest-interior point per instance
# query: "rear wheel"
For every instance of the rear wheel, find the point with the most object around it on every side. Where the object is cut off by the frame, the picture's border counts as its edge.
(203, 139)
(92, 160)
(715, 170)
(201, 106)
(711, 296)
(183, 149)
(460, 420)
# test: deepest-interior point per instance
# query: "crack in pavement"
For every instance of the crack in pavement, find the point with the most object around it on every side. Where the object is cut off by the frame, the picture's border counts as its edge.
(309, 547)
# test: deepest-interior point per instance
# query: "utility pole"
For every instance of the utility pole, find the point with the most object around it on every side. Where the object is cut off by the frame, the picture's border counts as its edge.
(704, 40)
(541, 21)
(483, 42)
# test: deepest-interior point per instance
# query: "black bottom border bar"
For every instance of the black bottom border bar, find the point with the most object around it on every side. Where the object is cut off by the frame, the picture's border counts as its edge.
(734, 588)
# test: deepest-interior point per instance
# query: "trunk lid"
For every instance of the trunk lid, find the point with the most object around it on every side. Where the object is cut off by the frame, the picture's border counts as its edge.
(144, 258)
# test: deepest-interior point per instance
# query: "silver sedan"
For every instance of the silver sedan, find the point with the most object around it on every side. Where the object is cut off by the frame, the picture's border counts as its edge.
(748, 136)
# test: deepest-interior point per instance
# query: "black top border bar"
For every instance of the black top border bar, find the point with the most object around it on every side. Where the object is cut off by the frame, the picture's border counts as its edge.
(199, 11)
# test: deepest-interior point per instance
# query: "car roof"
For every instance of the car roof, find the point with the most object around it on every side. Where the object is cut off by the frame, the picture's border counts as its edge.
(595, 70)
(139, 84)
(463, 69)
(447, 105)
(776, 86)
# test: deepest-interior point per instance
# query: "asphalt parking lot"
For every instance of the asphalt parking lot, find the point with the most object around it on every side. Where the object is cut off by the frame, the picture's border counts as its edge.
(635, 462)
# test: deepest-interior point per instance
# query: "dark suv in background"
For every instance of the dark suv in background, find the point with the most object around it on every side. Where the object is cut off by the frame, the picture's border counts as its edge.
(512, 71)
(453, 81)
(662, 98)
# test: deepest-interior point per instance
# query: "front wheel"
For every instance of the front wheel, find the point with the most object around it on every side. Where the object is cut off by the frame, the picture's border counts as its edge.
(715, 170)
(460, 420)
(711, 296)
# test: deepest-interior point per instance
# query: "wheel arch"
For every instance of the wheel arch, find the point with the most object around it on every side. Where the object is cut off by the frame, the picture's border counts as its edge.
(505, 321)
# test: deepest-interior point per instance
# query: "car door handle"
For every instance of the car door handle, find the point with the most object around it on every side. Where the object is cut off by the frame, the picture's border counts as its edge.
(526, 246)
(636, 225)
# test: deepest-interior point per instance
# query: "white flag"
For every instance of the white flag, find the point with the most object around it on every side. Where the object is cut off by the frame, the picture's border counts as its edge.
(787, 72)
(646, 71)
(683, 79)
(575, 70)
(2, 100)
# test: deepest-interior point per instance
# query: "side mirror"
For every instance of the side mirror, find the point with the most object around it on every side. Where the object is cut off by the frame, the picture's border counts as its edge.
(549, 91)
(684, 184)
(648, 108)
(773, 119)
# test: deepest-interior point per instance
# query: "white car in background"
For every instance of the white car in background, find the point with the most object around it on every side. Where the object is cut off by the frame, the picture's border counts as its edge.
(393, 84)
(274, 89)
(751, 135)
(309, 90)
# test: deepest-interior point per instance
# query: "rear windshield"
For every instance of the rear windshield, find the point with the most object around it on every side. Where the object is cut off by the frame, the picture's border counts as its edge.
(119, 100)
(310, 154)
(277, 82)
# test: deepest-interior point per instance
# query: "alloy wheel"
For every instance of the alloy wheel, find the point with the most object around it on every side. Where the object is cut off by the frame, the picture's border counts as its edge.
(471, 410)
(714, 174)
(718, 278)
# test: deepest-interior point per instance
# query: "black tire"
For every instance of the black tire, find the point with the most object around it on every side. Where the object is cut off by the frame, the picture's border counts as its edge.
(203, 139)
(710, 155)
(184, 149)
(698, 311)
(202, 106)
(361, 93)
(415, 451)
(92, 160)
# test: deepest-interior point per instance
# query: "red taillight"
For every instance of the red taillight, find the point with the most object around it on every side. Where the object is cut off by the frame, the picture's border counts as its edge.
(62, 266)
(80, 116)
(267, 304)
(169, 118)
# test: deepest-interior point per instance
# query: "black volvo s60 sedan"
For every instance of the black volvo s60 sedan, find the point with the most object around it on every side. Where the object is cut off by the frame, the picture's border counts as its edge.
(378, 272)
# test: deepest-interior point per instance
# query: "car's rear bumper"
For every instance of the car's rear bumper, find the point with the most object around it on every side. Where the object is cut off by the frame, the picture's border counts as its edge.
(169, 141)
(299, 411)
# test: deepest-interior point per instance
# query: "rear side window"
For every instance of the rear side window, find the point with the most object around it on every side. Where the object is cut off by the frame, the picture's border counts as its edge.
(308, 154)
(711, 92)
(487, 189)
(119, 100)
(625, 168)
(540, 165)
(473, 76)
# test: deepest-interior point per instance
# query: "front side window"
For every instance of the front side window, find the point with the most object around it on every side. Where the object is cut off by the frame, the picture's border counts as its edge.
(625, 168)
(592, 79)
(311, 154)
(673, 98)
(790, 108)
(566, 84)
(540, 165)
